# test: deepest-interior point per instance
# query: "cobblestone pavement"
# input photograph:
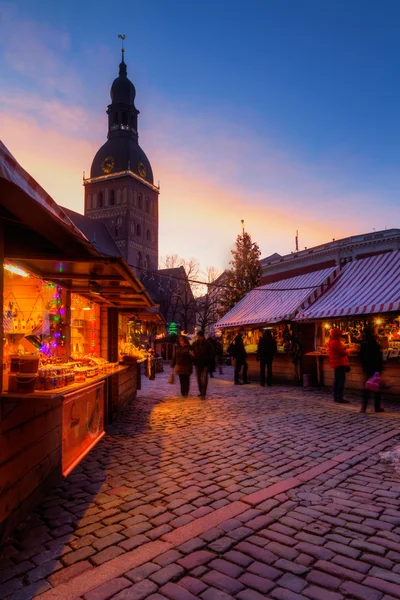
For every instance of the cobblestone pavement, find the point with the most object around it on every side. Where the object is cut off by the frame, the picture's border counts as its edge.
(253, 493)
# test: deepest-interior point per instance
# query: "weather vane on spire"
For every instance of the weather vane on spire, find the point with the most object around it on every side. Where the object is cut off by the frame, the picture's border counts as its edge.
(122, 36)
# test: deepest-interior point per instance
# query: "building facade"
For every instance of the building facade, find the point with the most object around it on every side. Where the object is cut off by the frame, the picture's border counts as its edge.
(335, 253)
(120, 191)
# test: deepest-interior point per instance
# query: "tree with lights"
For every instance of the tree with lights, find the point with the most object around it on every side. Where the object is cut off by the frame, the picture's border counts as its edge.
(245, 272)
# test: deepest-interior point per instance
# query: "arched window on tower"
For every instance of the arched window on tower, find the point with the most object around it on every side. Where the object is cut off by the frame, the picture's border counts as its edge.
(148, 235)
(100, 198)
(133, 228)
(140, 260)
(119, 220)
(116, 120)
(124, 119)
(112, 197)
(140, 201)
(138, 230)
(148, 265)
(147, 205)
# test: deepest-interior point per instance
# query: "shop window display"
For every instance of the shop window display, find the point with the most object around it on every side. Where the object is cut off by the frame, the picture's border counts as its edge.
(282, 333)
(387, 330)
(42, 350)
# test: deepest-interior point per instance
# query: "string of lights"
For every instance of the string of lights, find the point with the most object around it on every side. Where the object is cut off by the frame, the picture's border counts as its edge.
(216, 285)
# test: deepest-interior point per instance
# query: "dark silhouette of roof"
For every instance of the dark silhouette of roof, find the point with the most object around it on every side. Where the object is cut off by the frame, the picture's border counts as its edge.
(96, 232)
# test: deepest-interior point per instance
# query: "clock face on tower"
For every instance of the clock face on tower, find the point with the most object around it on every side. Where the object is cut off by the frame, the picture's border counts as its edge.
(141, 170)
(108, 164)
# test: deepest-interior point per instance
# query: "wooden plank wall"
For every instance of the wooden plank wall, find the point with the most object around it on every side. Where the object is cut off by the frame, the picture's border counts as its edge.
(123, 389)
(30, 455)
(283, 369)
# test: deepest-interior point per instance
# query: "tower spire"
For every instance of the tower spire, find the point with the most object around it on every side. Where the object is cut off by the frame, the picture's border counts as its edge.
(122, 66)
(122, 36)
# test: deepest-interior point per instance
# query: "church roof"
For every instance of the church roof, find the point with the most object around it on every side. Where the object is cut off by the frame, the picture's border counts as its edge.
(96, 232)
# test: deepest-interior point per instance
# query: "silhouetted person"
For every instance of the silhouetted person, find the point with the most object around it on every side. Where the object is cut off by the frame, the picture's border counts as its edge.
(240, 358)
(266, 351)
(212, 366)
(182, 362)
(339, 361)
(203, 357)
(371, 363)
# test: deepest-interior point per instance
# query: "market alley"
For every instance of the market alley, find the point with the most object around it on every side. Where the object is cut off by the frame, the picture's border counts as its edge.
(252, 493)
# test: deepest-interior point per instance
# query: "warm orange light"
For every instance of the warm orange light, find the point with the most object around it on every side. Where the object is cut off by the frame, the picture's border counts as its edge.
(378, 321)
(327, 326)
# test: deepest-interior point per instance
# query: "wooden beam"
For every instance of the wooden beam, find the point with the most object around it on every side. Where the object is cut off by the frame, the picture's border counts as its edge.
(1, 296)
(83, 276)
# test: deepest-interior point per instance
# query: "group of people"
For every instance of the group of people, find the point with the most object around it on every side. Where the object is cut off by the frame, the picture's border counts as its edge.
(206, 354)
(266, 351)
(371, 363)
(201, 354)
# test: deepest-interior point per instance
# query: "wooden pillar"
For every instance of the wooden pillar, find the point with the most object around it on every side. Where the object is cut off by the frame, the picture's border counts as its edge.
(67, 324)
(104, 332)
(112, 334)
(1, 296)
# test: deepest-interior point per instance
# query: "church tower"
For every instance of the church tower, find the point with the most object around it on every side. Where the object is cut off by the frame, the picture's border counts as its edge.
(120, 191)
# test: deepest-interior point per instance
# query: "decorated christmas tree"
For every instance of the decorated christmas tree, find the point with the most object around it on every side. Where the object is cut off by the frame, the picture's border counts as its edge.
(245, 272)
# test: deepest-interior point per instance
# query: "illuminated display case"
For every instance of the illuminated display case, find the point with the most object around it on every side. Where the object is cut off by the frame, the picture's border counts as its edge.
(132, 338)
(387, 329)
(85, 327)
(282, 333)
(51, 337)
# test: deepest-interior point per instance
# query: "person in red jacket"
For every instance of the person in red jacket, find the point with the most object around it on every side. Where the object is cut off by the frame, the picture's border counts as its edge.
(339, 361)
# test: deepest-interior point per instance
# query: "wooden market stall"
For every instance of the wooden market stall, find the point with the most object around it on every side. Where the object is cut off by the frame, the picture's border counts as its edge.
(61, 377)
(366, 293)
(274, 306)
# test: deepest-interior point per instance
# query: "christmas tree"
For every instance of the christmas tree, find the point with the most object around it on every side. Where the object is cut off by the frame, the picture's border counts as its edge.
(245, 272)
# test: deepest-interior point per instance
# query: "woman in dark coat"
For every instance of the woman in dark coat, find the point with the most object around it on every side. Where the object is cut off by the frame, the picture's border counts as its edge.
(183, 364)
(371, 362)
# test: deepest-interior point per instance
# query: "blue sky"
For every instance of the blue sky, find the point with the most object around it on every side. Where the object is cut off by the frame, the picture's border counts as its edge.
(284, 113)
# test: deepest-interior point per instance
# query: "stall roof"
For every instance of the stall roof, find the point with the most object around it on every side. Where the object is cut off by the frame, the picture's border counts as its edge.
(107, 280)
(366, 286)
(41, 238)
(279, 301)
(12, 172)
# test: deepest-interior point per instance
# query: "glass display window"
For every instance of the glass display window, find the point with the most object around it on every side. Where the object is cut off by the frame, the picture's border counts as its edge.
(85, 327)
(386, 327)
(33, 313)
(34, 324)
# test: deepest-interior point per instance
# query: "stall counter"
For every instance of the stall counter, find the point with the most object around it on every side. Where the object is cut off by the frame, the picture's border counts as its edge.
(283, 369)
(44, 435)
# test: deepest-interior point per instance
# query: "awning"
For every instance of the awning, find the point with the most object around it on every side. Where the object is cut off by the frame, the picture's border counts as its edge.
(106, 280)
(366, 286)
(11, 171)
(28, 211)
(279, 301)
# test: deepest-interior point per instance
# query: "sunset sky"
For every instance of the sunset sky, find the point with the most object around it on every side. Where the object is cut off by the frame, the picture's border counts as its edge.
(284, 113)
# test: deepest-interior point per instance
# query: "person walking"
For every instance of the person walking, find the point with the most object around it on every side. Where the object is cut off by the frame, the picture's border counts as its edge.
(203, 356)
(339, 361)
(182, 364)
(240, 356)
(219, 353)
(371, 363)
(211, 369)
(266, 351)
